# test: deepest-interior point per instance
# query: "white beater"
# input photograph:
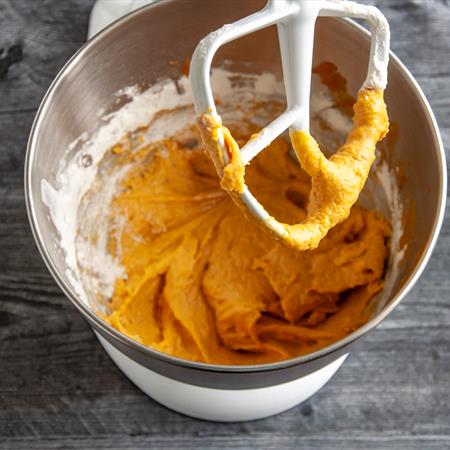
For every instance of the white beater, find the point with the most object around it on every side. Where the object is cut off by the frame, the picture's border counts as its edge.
(295, 20)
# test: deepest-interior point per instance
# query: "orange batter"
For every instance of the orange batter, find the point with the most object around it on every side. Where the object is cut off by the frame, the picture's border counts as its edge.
(336, 182)
(206, 284)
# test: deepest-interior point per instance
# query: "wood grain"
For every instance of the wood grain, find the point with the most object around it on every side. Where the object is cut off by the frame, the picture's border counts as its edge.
(58, 389)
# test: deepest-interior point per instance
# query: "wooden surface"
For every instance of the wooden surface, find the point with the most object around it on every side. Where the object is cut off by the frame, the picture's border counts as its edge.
(58, 389)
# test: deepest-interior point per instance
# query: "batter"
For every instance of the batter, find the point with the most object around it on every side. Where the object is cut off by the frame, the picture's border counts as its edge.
(206, 284)
(336, 182)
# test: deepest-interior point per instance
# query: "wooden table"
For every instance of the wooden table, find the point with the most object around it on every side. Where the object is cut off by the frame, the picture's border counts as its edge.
(59, 389)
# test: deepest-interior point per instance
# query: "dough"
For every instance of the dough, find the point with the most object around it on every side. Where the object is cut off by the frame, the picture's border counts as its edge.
(204, 283)
(336, 182)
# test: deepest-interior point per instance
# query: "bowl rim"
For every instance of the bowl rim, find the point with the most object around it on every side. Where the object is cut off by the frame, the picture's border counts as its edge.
(112, 333)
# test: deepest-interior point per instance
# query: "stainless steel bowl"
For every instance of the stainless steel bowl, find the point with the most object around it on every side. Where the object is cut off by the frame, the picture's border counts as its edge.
(137, 50)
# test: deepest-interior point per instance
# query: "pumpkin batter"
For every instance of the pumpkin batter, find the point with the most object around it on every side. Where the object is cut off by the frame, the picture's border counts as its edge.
(206, 284)
(336, 182)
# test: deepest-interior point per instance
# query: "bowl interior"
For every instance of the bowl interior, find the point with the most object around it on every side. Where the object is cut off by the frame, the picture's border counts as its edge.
(139, 49)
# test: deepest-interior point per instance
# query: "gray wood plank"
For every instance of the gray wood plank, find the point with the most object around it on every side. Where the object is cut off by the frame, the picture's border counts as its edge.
(58, 388)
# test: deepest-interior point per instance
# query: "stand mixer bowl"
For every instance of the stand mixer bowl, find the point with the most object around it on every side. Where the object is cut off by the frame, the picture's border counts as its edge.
(137, 50)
